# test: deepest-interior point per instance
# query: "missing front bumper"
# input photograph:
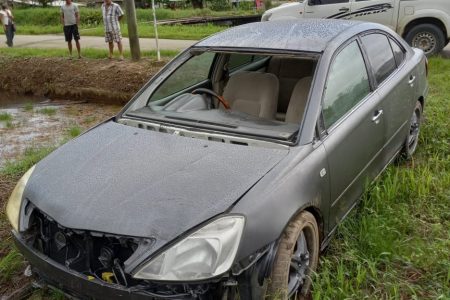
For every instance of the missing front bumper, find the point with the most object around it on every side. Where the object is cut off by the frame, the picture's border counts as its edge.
(79, 285)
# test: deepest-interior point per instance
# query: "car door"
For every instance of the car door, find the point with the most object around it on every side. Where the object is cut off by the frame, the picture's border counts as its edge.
(395, 80)
(377, 11)
(326, 8)
(354, 129)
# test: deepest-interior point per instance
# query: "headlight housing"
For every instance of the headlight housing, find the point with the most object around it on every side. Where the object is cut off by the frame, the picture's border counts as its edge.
(206, 253)
(15, 200)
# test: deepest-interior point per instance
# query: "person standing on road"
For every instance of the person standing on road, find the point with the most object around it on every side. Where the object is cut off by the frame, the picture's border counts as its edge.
(112, 14)
(70, 19)
(7, 19)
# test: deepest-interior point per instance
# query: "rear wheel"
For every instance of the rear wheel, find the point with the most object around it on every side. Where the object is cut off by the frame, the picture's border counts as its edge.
(296, 259)
(412, 138)
(427, 37)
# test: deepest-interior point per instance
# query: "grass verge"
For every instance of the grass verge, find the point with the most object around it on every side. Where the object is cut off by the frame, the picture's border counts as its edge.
(85, 52)
(145, 30)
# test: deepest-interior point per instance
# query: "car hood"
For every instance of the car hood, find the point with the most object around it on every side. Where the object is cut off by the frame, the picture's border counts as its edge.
(135, 182)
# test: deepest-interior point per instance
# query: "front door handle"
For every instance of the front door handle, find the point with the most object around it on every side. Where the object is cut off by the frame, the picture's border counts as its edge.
(412, 78)
(345, 9)
(377, 116)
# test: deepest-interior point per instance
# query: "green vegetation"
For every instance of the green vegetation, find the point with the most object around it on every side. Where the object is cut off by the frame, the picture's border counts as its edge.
(395, 245)
(74, 131)
(37, 21)
(49, 111)
(187, 32)
(92, 17)
(30, 157)
(11, 261)
(28, 106)
(85, 52)
(5, 117)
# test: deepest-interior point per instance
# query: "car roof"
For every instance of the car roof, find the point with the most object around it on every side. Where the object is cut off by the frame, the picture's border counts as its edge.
(310, 35)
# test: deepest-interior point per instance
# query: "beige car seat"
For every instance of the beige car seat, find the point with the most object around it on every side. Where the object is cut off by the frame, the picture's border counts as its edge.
(297, 103)
(288, 71)
(253, 93)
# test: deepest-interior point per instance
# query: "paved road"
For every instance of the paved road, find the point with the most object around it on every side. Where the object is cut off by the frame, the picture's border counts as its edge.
(57, 41)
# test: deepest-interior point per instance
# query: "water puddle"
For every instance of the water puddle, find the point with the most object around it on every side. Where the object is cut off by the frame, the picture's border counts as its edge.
(33, 122)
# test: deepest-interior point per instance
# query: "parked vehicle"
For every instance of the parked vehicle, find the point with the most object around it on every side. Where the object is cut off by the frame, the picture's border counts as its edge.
(227, 174)
(424, 24)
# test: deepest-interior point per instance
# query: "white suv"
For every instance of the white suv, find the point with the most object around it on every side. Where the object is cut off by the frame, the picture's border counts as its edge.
(424, 24)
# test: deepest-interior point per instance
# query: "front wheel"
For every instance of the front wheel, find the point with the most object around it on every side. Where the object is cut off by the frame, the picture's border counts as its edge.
(297, 257)
(428, 37)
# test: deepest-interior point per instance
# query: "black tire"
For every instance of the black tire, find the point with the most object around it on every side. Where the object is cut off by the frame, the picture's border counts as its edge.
(302, 227)
(412, 137)
(428, 37)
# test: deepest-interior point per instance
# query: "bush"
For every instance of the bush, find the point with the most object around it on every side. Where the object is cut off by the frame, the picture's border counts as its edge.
(220, 5)
(268, 4)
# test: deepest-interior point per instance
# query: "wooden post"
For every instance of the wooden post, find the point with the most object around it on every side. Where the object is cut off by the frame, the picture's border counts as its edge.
(130, 12)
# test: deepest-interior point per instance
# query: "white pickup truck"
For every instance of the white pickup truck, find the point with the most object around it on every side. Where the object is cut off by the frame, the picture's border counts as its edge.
(424, 24)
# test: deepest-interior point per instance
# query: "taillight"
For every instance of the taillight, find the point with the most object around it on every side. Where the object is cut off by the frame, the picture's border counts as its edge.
(426, 66)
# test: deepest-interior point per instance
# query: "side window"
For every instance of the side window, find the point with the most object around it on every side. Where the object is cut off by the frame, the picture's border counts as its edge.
(380, 55)
(192, 72)
(399, 53)
(324, 2)
(347, 84)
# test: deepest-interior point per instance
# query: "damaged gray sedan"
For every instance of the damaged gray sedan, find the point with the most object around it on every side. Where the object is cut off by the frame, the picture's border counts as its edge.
(227, 174)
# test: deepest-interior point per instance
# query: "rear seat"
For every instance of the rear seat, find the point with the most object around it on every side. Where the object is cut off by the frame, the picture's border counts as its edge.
(289, 71)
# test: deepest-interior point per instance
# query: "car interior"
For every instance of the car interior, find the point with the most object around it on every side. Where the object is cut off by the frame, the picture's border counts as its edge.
(274, 88)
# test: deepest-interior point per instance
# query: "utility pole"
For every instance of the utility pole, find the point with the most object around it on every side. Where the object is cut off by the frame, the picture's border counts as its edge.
(130, 11)
(155, 26)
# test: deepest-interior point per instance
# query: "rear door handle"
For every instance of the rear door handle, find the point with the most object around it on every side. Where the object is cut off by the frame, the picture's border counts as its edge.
(377, 116)
(412, 78)
(344, 9)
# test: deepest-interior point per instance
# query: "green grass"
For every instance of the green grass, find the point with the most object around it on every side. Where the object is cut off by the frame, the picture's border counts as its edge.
(186, 32)
(74, 131)
(5, 117)
(93, 16)
(396, 244)
(28, 106)
(85, 52)
(30, 157)
(49, 111)
(10, 265)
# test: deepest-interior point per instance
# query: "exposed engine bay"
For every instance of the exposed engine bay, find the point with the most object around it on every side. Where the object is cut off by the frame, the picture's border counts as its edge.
(101, 258)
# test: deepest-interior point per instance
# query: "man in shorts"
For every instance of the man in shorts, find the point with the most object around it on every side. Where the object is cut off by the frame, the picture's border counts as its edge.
(112, 14)
(70, 18)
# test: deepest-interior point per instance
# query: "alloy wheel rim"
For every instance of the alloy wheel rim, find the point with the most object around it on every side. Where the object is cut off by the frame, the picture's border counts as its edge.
(299, 265)
(425, 41)
(414, 131)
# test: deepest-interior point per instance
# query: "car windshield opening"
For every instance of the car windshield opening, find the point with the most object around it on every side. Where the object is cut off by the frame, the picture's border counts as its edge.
(244, 93)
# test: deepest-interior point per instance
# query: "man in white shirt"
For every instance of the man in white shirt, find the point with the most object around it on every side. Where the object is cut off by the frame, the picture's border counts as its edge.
(70, 18)
(7, 20)
(112, 14)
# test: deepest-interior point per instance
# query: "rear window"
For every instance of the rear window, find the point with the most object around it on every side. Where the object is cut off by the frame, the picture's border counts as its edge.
(399, 53)
(380, 55)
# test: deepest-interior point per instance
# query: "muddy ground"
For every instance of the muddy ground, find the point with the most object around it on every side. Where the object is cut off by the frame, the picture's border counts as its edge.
(108, 81)
(48, 100)
(37, 123)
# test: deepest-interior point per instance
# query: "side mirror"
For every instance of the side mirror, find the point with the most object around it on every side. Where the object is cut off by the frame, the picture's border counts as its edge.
(311, 2)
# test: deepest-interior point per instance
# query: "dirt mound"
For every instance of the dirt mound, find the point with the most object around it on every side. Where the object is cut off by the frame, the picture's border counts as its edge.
(109, 81)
